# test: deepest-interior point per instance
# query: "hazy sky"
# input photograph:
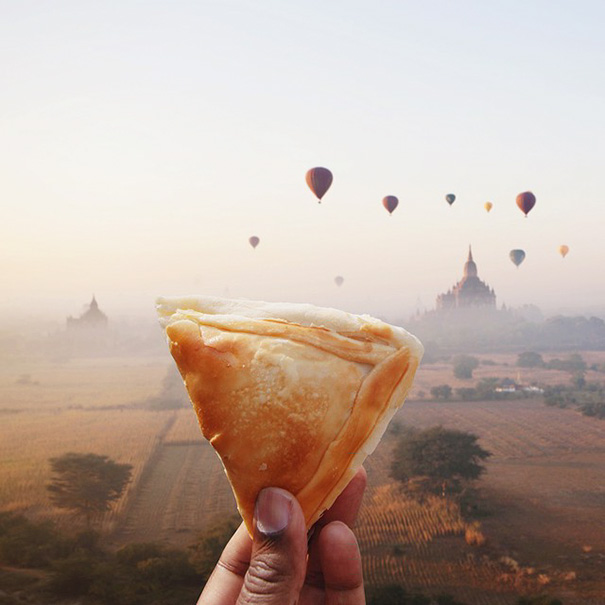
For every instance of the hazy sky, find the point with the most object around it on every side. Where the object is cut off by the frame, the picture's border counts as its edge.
(143, 143)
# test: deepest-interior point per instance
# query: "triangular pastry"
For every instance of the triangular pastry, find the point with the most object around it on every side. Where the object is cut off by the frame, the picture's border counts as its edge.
(289, 395)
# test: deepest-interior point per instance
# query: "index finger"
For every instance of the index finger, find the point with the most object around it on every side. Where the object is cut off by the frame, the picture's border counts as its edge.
(344, 509)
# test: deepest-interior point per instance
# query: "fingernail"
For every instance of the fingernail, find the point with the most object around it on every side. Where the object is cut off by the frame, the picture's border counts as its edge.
(272, 511)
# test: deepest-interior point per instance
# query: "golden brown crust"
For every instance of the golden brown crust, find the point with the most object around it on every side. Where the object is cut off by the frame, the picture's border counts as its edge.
(290, 405)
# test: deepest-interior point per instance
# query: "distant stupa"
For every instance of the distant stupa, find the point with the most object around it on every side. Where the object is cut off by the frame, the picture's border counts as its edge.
(469, 292)
(92, 319)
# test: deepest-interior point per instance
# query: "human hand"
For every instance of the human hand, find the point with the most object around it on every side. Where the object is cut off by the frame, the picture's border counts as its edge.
(274, 568)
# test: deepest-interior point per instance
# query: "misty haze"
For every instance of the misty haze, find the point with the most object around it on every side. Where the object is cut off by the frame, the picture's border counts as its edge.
(436, 166)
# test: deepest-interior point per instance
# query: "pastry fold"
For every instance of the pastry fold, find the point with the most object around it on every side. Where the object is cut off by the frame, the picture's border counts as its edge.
(289, 395)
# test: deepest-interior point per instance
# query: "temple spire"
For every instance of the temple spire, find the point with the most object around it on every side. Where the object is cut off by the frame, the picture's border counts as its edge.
(470, 268)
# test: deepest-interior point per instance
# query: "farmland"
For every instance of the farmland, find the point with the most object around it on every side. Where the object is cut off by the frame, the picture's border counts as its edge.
(541, 498)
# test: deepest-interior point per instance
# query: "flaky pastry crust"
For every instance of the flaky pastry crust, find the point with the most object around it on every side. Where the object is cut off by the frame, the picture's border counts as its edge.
(289, 395)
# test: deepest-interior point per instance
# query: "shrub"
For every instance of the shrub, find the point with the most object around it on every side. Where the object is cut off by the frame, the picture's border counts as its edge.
(28, 544)
(572, 363)
(139, 574)
(73, 576)
(466, 393)
(443, 391)
(595, 409)
(393, 594)
(447, 599)
(473, 535)
(539, 600)
(464, 366)
(529, 359)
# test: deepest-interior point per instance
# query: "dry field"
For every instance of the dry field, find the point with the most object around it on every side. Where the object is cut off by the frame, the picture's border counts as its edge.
(111, 382)
(185, 430)
(548, 466)
(186, 492)
(29, 439)
(544, 486)
(48, 409)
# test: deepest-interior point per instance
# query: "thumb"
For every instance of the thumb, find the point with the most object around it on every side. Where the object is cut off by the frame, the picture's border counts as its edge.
(279, 551)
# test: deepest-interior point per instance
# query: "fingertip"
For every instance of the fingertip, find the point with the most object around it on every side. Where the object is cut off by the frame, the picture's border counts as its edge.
(360, 479)
(340, 558)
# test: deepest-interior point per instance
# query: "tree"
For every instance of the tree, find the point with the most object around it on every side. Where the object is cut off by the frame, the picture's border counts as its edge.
(572, 363)
(530, 359)
(443, 391)
(464, 366)
(87, 483)
(445, 458)
(578, 380)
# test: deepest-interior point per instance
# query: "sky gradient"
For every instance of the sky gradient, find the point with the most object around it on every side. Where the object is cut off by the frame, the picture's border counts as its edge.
(145, 142)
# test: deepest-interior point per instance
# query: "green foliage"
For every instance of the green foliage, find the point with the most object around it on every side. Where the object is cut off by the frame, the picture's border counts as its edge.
(139, 574)
(595, 409)
(539, 600)
(572, 363)
(205, 553)
(446, 457)
(588, 398)
(578, 380)
(485, 390)
(464, 366)
(28, 544)
(73, 575)
(558, 396)
(79, 569)
(447, 599)
(393, 594)
(16, 583)
(530, 359)
(467, 394)
(443, 391)
(87, 483)
(505, 330)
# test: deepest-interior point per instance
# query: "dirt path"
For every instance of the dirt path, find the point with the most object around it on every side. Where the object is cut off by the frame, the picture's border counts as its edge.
(185, 491)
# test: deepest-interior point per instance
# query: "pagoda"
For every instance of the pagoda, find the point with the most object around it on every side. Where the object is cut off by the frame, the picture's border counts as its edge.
(469, 292)
(92, 318)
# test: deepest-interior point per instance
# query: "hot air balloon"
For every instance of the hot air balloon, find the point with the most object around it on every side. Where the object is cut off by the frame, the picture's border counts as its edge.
(254, 241)
(339, 280)
(319, 180)
(517, 257)
(526, 201)
(390, 202)
(488, 206)
(563, 250)
(450, 198)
